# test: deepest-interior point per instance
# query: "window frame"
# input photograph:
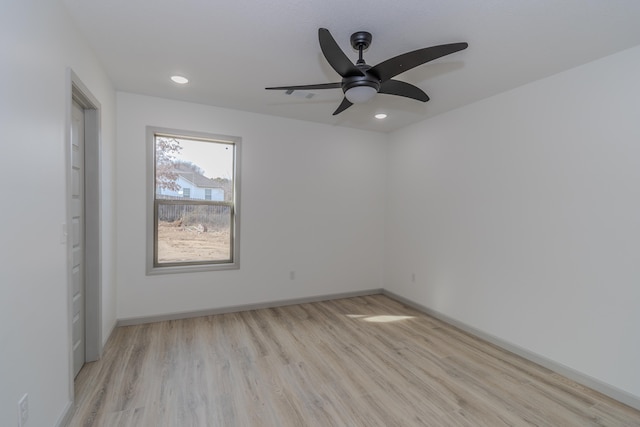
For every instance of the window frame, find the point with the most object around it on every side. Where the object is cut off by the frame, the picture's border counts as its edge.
(152, 267)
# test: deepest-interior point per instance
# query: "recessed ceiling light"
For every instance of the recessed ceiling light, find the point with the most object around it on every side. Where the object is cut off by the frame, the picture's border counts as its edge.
(181, 80)
(380, 116)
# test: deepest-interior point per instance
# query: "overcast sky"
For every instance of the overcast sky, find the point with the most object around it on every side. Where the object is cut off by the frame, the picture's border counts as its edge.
(216, 159)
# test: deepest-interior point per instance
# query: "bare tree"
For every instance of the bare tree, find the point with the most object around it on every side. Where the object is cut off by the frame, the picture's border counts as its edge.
(166, 175)
(227, 185)
(186, 165)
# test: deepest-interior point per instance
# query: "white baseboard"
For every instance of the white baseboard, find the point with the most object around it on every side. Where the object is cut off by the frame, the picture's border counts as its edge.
(579, 377)
(65, 416)
(245, 307)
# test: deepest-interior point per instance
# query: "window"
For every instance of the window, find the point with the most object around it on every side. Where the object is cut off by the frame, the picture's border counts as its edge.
(193, 201)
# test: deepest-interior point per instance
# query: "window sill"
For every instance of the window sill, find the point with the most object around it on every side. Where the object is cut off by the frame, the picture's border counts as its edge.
(173, 269)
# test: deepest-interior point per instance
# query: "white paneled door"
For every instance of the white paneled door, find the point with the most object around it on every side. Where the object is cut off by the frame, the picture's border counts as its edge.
(76, 236)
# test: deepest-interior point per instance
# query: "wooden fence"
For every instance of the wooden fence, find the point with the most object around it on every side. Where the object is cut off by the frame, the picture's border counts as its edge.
(212, 216)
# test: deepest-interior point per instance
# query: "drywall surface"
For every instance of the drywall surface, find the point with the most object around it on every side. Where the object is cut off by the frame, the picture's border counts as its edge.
(38, 43)
(520, 215)
(312, 202)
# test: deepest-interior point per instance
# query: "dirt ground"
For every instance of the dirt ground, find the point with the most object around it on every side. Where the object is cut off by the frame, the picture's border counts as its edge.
(192, 243)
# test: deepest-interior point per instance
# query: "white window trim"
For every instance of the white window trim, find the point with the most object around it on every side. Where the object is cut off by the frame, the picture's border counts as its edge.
(151, 269)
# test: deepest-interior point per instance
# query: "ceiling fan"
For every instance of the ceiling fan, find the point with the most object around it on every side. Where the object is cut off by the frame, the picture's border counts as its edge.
(360, 82)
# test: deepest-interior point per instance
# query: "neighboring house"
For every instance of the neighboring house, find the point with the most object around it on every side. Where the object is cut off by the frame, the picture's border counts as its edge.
(193, 185)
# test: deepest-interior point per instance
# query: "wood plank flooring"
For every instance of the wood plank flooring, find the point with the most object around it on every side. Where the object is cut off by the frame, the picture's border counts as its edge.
(365, 361)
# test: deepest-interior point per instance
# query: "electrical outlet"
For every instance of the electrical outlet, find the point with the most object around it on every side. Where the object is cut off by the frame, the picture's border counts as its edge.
(292, 275)
(413, 277)
(23, 410)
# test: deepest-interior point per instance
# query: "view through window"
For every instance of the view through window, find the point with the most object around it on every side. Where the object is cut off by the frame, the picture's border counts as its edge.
(194, 203)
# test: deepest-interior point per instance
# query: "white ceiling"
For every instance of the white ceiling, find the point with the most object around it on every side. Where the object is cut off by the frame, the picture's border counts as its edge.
(232, 49)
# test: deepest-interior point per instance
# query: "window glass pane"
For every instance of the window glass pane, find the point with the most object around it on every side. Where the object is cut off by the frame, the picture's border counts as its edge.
(194, 165)
(192, 233)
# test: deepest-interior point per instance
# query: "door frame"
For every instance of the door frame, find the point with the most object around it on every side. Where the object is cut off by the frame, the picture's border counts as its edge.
(78, 92)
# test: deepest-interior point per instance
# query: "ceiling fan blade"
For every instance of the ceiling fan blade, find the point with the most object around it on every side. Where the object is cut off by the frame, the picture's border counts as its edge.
(401, 63)
(335, 56)
(305, 87)
(396, 87)
(345, 104)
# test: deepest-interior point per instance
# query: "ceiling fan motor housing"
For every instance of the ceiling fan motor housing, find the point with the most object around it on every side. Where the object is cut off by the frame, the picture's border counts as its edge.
(368, 79)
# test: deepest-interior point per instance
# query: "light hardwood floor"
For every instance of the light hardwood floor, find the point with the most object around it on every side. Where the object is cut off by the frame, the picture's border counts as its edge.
(365, 361)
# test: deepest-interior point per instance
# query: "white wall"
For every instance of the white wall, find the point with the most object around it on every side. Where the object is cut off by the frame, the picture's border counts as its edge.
(312, 201)
(520, 216)
(37, 44)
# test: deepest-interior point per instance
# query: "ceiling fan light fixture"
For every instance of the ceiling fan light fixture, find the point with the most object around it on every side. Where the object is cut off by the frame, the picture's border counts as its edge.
(360, 94)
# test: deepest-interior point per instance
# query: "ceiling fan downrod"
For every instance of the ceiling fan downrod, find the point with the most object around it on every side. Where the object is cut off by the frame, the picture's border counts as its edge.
(360, 41)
